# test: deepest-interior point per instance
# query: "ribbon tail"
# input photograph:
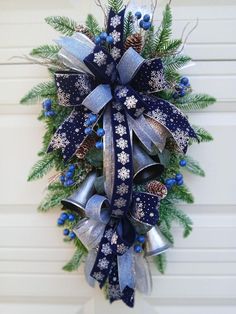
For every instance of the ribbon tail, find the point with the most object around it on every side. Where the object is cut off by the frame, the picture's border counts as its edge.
(143, 275)
(126, 270)
(88, 266)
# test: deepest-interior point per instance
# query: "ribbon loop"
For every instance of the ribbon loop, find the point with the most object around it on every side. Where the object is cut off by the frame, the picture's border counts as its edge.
(98, 98)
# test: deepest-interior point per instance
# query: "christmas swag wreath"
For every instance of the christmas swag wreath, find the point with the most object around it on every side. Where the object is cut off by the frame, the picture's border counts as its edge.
(117, 136)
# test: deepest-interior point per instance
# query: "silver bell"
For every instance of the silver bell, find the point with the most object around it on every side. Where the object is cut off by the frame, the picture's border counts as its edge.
(78, 200)
(155, 243)
(145, 168)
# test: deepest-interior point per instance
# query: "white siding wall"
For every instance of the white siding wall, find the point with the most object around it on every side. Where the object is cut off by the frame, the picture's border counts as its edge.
(201, 275)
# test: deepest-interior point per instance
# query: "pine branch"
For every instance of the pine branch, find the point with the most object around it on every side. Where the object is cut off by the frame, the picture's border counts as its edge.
(175, 62)
(202, 134)
(49, 52)
(160, 262)
(62, 24)
(128, 25)
(116, 5)
(92, 25)
(148, 47)
(170, 48)
(183, 220)
(76, 259)
(181, 193)
(194, 102)
(165, 230)
(164, 32)
(42, 167)
(53, 199)
(40, 91)
(194, 167)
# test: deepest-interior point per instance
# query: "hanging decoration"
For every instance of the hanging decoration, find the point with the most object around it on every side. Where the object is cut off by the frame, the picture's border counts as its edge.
(117, 135)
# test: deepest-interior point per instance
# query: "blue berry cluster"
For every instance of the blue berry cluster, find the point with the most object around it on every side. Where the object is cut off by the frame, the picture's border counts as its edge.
(181, 88)
(138, 246)
(178, 180)
(61, 221)
(47, 107)
(92, 118)
(102, 38)
(145, 23)
(67, 179)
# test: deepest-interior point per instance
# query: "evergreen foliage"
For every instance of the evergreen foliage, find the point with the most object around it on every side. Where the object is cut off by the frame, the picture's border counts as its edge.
(194, 102)
(92, 25)
(128, 25)
(62, 24)
(77, 258)
(39, 92)
(49, 52)
(42, 167)
(116, 5)
(160, 262)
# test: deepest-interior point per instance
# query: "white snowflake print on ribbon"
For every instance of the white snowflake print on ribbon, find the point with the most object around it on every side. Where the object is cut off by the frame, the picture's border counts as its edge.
(106, 250)
(159, 116)
(121, 143)
(181, 138)
(115, 21)
(98, 276)
(119, 117)
(122, 92)
(100, 58)
(59, 140)
(123, 173)
(82, 86)
(120, 202)
(110, 68)
(115, 53)
(130, 102)
(120, 130)
(103, 263)
(122, 189)
(123, 158)
(117, 106)
(108, 234)
(116, 36)
(157, 80)
(139, 213)
(114, 238)
(63, 98)
(121, 248)
(114, 292)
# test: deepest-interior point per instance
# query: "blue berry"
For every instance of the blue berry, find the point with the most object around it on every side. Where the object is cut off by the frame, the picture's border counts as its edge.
(170, 182)
(64, 216)
(109, 39)
(99, 145)
(69, 174)
(141, 238)
(72, 168)
(97, 40)
(70, 182)
(137, 248)
(103, 36)
(182, 93)
(176, 95)
(100, 132)
(88, 131)
(182, 162)
(62, 178)
(92, 118)
(185, 81)
(66, 232)
(146, 18)
(141, 23)
(47, 104)
(72, 235)
(180, 182)
(178, 177)
(60, 222)
(146, 25)
(71, 217)
(138, 15)
(87, 122)
(50, 113)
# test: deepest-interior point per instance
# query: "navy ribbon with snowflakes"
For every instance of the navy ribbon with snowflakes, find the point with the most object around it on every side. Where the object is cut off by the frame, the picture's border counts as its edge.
(120, 85)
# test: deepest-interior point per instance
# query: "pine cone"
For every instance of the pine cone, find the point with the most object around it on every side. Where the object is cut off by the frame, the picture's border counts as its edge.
(88, 143)
(134, 41)
(157, 188)
(84, 30)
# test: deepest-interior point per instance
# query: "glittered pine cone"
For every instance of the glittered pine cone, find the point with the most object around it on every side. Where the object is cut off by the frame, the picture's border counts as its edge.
(134, 41)
(84, 30)
(88, 144)
(157, 188)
